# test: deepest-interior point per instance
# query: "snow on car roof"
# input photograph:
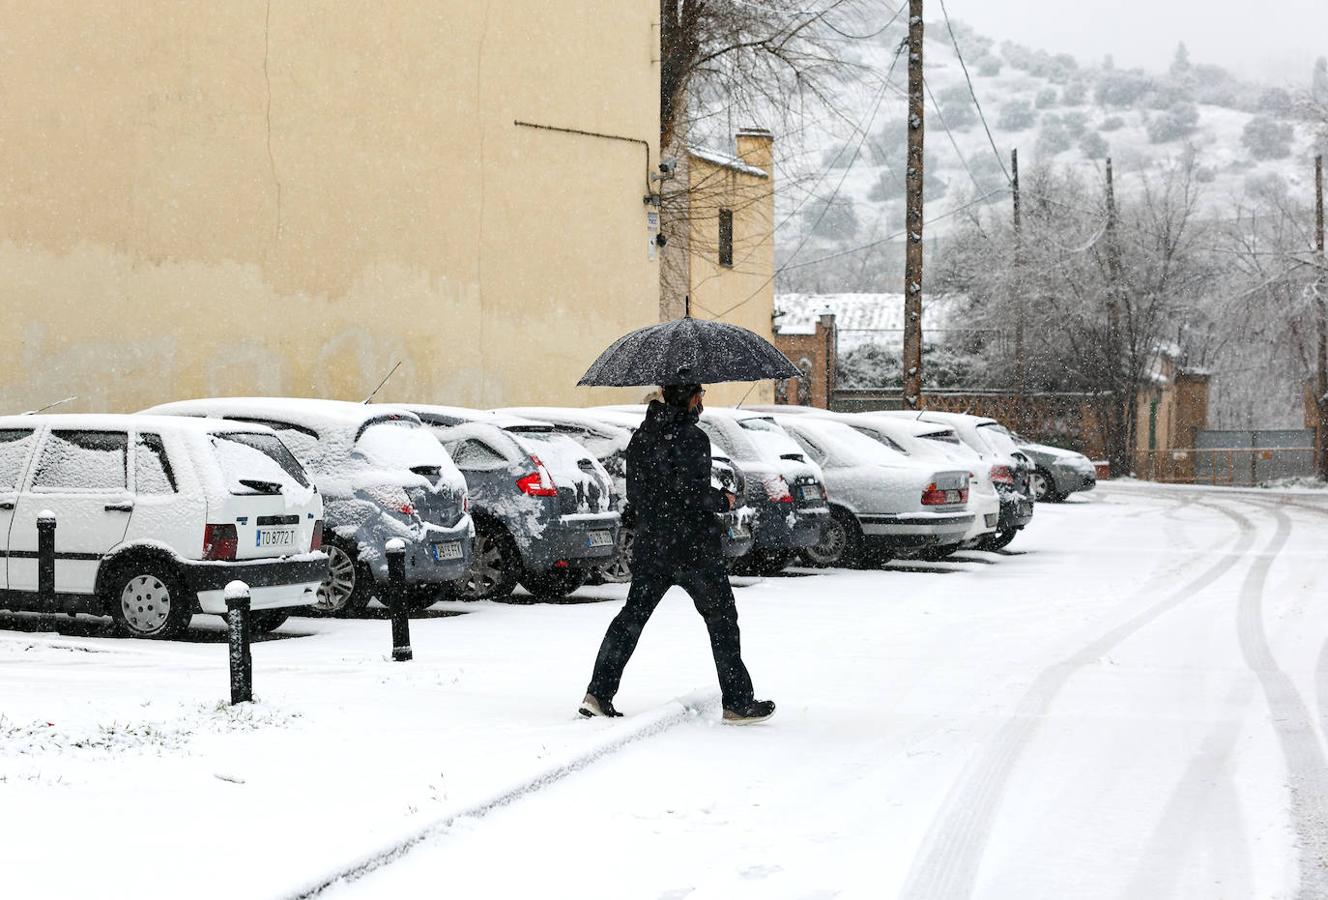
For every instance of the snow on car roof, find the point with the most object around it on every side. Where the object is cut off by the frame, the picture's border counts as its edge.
(138, 421)
(556, 414)
(936, 416)
(908, 424)
(497, 418)
(313, 414)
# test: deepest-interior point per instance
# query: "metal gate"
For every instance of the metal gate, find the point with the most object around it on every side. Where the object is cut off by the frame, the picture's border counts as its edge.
(1252, 457)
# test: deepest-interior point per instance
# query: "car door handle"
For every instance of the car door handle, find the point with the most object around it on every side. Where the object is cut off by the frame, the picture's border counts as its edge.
(125, 506)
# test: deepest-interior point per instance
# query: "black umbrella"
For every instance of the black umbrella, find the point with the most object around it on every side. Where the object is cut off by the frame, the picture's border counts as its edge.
(688, 351)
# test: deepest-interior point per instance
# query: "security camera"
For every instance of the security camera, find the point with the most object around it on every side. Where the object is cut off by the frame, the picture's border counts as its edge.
(660, 240)
(666, 169)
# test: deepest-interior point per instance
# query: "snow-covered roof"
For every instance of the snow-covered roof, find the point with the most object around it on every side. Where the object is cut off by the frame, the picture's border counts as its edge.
(726, 161)
(567, 415)
(313, 414)
(118, 421)
(860, 318)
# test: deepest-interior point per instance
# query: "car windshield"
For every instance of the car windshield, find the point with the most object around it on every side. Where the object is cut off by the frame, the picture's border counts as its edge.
(402, 444)
(257, 464)
(997, 439)
(772, 440)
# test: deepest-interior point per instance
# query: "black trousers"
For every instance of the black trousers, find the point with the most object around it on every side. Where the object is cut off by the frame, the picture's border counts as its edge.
(708, 584)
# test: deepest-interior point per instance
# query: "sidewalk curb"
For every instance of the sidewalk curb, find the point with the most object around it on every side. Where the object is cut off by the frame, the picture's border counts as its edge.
(656, 721)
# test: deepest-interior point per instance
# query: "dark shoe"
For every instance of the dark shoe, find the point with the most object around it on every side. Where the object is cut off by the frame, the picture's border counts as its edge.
(750, 714)
(592, 707)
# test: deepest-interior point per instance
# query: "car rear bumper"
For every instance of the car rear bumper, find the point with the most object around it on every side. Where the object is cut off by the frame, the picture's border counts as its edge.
(273, 583)
(1016, 511)
(424, 563)
(568, 539)
(1069, 481)
(735, 539)
(916, 529)
(779, 527)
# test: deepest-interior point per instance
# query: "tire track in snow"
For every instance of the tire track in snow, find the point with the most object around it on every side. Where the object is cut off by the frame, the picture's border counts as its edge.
(946, 866)
(1307, 768)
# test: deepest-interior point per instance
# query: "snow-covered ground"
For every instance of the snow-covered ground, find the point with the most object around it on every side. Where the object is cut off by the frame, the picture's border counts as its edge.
(1131, 703)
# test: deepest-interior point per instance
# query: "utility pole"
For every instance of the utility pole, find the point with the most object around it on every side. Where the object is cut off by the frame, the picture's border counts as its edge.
(1321, 319)
(913, 216)
(1020, 366)
(1118, 450)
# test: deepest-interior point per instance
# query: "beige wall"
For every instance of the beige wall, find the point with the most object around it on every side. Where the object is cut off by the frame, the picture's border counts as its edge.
(743, 294)
(242, 197)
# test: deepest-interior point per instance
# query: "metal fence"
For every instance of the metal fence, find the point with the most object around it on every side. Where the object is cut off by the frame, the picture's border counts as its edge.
(1242, 458)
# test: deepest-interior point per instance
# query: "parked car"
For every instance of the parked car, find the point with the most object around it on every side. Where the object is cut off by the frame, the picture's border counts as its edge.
(382, 476)
(1058, 473)
(605, 433)
(545, 510)
(154, 517)
(1010, 469)
(785, 490)
(930, 443)
(883, 503)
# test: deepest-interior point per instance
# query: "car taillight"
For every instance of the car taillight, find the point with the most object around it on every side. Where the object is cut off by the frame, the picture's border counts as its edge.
(406, 509)
(316, 542)
(220, 542)
(1002, 475)
(465, 501)
(777, 489)
(538, 483)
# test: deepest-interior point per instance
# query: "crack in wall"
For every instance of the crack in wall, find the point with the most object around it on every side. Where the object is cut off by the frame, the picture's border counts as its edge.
(267, 81)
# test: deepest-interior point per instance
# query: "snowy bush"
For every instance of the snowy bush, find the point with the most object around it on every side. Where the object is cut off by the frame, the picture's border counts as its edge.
(988, 66)
(1046, 98)
(1075, 93)
(1174, 124)
(1053, 138)
(887, 188)
(835, 220)
(1016, 115)
(886, 148)
(957, 107)
(878, 366)
(1266, 138)
(1094, 145)
(1112, 123)
(1276, 102)
(1122, 88)
(1076, 123)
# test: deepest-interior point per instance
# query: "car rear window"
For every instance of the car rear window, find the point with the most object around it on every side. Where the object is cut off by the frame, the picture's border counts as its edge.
(402, 444)
(850, 447)
(773, 441)
(251, 461)
(997, 439)
(560, 454)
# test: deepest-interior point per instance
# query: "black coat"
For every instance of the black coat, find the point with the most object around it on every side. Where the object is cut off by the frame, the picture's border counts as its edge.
(671, 501)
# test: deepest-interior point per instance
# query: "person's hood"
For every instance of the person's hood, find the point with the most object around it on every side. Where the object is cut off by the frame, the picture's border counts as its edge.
(661, 416)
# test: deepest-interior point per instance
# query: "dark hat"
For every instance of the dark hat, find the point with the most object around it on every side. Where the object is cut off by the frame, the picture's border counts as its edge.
(679, 394)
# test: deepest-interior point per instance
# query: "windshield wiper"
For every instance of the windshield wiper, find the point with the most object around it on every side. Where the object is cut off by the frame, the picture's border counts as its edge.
(260, 486)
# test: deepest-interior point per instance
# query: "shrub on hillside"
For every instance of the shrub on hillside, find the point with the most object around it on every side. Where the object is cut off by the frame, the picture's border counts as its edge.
(834, 221)
(1075, 93)
(1112, 123)
(1016, 115)
(1094, 145)
(1053, 138)
(1267, 138)
(1076, 123)
(1174, 124)
(1046, 98)
(988, 66)
(1122, 88)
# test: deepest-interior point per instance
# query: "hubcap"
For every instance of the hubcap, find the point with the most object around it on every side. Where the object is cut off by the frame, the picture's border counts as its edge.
(1039, 485)
(487, 570)
(334, 593)
(831, 546)
(619, 569)
(146, 604)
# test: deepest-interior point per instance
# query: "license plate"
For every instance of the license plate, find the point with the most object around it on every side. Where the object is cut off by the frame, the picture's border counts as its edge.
(600, 539)
(739, 532)
(444, 552)
(954, 496)
(811, 492)
(275, 537)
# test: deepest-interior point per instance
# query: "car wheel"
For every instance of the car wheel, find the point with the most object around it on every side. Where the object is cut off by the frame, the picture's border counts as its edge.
(999, 540)
(494, 565)
(553, 584)
(840, 543)
(619, 569)
(1043, 487)
(266, 621)
(147, 599)
(349, 583)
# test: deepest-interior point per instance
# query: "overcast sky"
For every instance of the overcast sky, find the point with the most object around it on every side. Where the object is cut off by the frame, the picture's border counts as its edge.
(1271, 40)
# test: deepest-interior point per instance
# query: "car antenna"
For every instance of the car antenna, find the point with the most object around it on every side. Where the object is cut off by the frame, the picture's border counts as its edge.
(746, 395)
(33, 412)
(369, 399)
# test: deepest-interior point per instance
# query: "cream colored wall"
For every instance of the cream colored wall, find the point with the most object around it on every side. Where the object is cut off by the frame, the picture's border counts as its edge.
(249, 197)
(744, 294)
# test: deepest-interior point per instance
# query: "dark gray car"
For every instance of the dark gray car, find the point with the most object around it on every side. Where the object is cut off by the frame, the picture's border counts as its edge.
(1058, 473)
(605, 433)
(545, 510)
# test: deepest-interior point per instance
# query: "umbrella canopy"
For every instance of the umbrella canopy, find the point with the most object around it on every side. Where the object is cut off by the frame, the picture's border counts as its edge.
(688, 351)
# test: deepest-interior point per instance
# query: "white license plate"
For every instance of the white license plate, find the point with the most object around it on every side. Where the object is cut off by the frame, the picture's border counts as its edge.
(600, 539)
(275, 537)
(739, 532)
(811, 492)
(954, 496)
(444, 552)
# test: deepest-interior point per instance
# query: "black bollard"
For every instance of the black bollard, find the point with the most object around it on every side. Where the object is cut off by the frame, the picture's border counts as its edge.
(237, 621)
(46, 558)
(396, 600)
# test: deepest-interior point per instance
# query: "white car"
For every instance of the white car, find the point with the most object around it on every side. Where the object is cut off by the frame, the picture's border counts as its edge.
(154, 517)
(383, 476)
(883, 503)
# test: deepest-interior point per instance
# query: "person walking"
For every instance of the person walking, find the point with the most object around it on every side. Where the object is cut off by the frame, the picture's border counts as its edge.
(672, 505)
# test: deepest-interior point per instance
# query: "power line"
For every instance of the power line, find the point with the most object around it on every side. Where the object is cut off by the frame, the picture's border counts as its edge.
(973, 93)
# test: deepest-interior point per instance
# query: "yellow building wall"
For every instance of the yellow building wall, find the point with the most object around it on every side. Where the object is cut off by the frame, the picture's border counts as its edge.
(743, 294)
(247, 197)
